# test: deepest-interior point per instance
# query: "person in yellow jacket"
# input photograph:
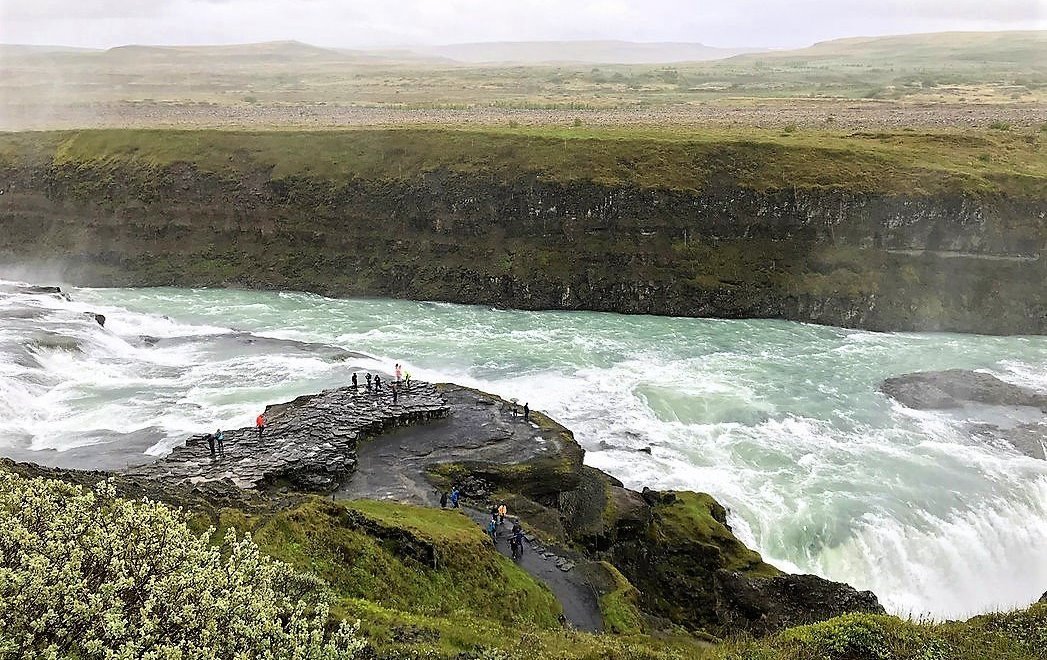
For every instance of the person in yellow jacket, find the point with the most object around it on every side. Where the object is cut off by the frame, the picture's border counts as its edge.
(501, 513)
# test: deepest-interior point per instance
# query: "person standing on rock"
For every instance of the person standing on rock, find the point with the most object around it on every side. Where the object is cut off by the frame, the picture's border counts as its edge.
(219, 438)
(394, 388)
(377, 384)
(210, 444)
(527, 413)
(260, 425)
(368, 381)
(407, 380)
(356, 386)
(398, 373)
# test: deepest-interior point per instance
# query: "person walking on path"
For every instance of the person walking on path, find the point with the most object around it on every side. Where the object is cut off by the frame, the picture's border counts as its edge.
(368, 381)
(455, 495)
(219, 438)
(527, 413)
(516, 540)
(398, 373)
(443, 500)
(492, 531)
(356, 387)
(501, 513)
(260, 424)
(210, 444)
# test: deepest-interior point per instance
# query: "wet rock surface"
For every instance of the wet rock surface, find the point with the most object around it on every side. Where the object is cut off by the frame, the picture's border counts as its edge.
(931, 390)
(764, 605)
(997, 412)
(308, 444)
(479, 429)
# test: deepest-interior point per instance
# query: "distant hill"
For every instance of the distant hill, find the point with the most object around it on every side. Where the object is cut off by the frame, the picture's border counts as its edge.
(935, 49)
(284, 52)
(589, 52)
(19, 50)
(274, 51)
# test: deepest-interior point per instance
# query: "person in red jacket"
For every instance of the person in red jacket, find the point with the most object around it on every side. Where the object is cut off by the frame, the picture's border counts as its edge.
(260, 423)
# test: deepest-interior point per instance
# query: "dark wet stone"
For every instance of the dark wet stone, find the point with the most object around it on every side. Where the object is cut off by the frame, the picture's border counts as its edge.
(957, 389)
(936, 390)
(41, 289)
(1029, 439)
(309, 444)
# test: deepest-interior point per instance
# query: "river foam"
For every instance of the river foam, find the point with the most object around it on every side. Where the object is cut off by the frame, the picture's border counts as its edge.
(782, 422)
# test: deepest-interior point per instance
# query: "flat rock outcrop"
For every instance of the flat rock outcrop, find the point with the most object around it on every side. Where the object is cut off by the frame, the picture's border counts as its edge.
(1022, 426)
(932, 390)
(308, 444)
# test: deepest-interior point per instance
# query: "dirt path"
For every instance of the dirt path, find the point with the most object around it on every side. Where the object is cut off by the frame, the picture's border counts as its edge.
(392, 467)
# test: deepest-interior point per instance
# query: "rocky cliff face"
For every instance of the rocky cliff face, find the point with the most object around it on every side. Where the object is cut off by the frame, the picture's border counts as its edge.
(940, 261)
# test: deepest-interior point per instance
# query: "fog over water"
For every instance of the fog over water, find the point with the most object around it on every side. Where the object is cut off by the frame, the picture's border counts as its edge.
(781, 421)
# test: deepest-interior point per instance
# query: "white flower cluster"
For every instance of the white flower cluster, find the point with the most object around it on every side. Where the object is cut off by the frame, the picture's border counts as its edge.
(84, 574)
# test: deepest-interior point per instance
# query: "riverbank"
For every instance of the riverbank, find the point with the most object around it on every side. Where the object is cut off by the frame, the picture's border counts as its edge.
(881, 231)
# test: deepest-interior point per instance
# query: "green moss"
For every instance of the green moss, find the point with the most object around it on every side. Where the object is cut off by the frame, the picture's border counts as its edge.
(619, 607)
(695, 517)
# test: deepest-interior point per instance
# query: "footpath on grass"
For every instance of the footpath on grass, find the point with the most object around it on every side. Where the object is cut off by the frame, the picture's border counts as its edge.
(478, 428)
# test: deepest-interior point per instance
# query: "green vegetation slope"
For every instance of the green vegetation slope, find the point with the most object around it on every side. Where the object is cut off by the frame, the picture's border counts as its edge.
(85, 573)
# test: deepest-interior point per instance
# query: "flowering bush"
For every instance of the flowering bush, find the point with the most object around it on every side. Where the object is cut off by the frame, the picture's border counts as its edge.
(84, 574)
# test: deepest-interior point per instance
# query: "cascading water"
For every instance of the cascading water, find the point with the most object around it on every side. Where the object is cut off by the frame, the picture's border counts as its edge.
(782, 422)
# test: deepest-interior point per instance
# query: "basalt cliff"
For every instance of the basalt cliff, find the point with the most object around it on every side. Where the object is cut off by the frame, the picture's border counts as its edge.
(849, 234)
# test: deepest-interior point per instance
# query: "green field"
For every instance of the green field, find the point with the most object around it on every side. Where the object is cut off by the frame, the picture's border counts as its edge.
(992, 161)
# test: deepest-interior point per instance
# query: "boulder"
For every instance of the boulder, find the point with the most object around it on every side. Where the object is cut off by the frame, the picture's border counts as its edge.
(689, 568)
(956, 388)
(1029, 439)
(42, 289)
(935, 390)
(764, 605)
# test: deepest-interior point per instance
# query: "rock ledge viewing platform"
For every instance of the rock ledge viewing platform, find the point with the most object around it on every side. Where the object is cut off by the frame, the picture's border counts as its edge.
(308, 443)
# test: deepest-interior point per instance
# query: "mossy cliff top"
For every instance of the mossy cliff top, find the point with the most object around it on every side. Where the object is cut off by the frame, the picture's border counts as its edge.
(905, 162)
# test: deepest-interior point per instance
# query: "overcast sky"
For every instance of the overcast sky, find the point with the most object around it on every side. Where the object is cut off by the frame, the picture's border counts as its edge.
(370, 23)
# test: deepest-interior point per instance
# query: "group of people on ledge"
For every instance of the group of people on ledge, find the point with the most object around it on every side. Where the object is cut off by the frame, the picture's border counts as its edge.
(374, 384)
(216, 440)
